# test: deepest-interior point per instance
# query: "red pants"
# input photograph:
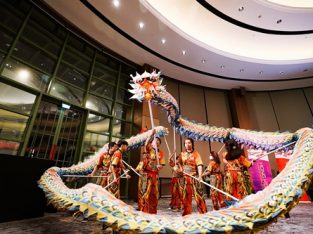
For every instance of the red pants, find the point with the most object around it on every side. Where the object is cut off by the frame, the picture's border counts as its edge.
(176, 191)
(148, 193)
(193, 187)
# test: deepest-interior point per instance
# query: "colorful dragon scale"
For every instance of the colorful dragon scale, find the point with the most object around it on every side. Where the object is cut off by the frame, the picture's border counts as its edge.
(254, 211)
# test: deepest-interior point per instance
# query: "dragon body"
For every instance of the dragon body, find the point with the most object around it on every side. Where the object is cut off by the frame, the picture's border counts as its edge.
(253, 212)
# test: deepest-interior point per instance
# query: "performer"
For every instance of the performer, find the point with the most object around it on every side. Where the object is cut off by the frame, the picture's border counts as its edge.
(176, 185)
(216, 180)
(148, 185)
(234, 181)
(104, 164)
(191, 163)
(117, 167)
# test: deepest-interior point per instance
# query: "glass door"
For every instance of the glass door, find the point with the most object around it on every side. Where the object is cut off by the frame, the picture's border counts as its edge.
(55, 133)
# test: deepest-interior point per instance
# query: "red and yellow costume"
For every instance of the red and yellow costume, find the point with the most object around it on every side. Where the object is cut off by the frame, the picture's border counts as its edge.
(234, 180)
(104, 167)
(189, 162)
(177, 182)
(216, 180)
(148, 185)
(118, 167)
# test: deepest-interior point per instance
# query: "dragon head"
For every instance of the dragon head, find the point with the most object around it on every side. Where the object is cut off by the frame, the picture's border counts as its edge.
(146, 85)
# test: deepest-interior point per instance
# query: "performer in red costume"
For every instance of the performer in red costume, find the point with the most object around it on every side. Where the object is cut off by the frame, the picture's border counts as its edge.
(190, 163)
(177, 182)
(148, 185)
(117, 168)
(234, 180)
(216, 180)
(104, 164)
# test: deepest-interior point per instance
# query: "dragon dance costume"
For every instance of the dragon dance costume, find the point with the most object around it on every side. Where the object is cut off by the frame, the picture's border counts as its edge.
(118, 167)
(176, 187)
(216, 180)
(234, 180)
(189, 161)
(103, 165)
(148, 184)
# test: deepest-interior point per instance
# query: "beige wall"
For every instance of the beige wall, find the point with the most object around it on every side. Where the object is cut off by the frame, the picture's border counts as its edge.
(308, 92)
(286, 110)
(218, 112)
(261, 111)
(291, 109)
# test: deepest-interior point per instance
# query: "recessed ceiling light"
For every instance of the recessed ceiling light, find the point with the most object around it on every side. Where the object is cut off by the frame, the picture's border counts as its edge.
(163, 41)
(222, 66)
(141, 24)
(241, 70)
(241, 8)
(261, 72)
(279, 21)
(184, 52)
(203, 61)
(116, 3)
(281, 72)
(259, 16)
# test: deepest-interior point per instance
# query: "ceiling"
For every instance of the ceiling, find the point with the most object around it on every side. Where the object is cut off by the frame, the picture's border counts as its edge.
(256, 44)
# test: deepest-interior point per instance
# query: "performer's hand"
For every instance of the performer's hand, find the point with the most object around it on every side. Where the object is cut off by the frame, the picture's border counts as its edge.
(128, 176)
(159, 167)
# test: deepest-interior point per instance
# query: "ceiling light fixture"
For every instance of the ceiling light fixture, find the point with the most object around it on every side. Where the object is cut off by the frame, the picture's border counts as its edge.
(184, 52)
(141, 24)
(222, 66)
(279, 21)
(163, 41)
(241, 70)
(305, 70)
(23, 74)
(203, 61)
(241, 8)
(261, 72)
(281, 72)
(116, 3)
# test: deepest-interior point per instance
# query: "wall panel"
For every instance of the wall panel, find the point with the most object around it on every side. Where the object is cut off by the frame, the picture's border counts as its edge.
(218, 112)
(308, 92)
(292, 110)
(261, 111)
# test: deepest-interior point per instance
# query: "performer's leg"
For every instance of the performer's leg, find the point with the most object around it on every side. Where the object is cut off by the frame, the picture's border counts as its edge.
(146, 196)
(199, 196)
(154, 195)
(187, 196)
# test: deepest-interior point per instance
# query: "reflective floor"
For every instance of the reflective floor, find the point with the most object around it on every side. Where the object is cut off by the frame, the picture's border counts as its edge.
(300, 221)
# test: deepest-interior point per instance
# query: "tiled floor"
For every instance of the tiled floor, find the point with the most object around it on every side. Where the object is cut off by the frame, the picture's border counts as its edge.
(300, 221)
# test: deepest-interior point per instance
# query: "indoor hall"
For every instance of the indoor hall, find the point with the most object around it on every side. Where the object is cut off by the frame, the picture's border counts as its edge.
(76, 75)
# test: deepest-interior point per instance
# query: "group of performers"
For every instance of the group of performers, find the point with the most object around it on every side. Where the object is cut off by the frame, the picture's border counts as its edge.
(188, 175)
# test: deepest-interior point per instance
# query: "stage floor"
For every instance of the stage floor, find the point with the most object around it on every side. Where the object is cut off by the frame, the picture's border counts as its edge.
(300, 221)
